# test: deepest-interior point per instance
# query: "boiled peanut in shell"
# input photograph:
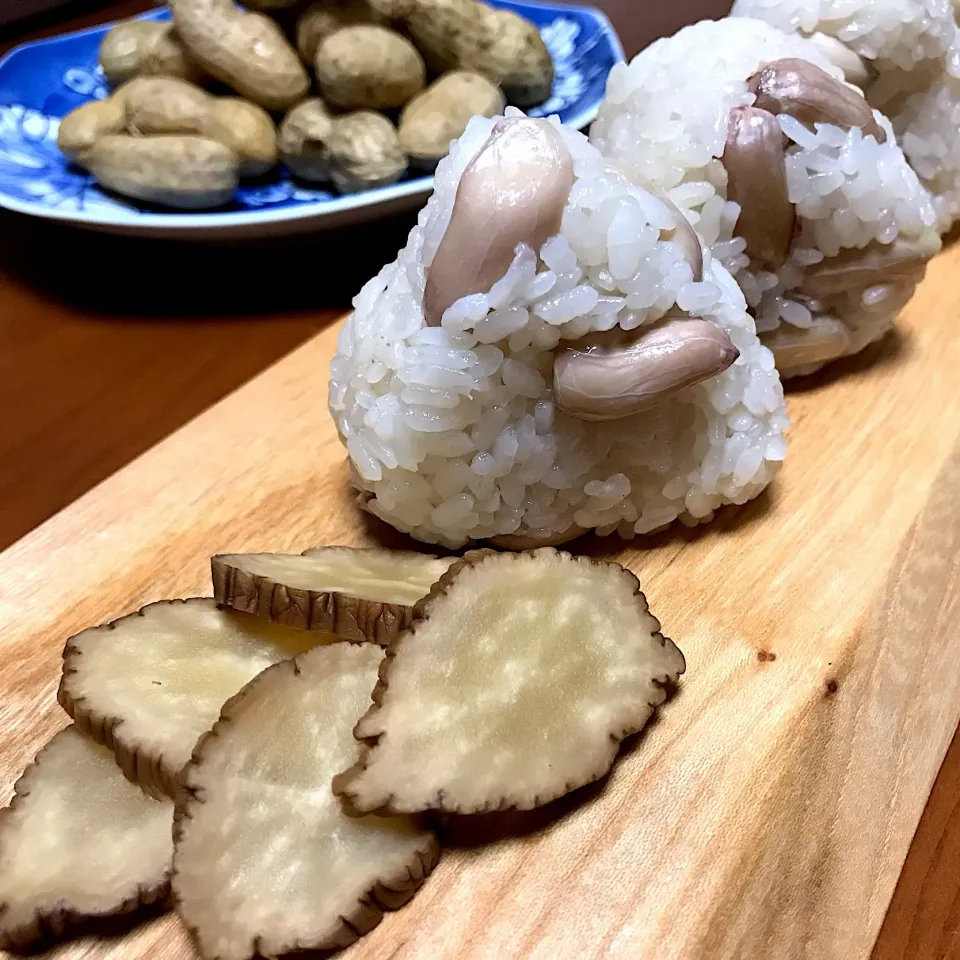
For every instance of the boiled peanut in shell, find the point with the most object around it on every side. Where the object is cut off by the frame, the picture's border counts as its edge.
(247, 51)
(364, 152)
(188, 172)
(466, 35)
(368, 67)
(83, 127)
(323, 17)
(441, 112)
(165, 105)
(303, 140)
(145, 48)
(513, 55)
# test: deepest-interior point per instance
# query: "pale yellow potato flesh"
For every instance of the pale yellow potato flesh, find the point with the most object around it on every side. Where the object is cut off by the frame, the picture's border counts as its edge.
(379, 575)
(163, 675)
(515, 687)
(265, 854)
(79, 841)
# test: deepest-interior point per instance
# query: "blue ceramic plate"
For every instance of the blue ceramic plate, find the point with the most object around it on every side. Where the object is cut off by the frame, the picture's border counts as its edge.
(40, 82)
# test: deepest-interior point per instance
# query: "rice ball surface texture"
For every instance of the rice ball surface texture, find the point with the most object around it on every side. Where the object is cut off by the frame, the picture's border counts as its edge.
(453, 424)
(828, 235)
(897, 34)
(909, 67)
(928, 124)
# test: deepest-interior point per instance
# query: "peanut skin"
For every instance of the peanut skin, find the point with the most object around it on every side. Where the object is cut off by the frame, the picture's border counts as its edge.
(526, 540)
(685, 237)
(683, 234)
(856, 269)
(513, 191)
(795, 348)
(757, 180)
(616, 374)
(810, 94)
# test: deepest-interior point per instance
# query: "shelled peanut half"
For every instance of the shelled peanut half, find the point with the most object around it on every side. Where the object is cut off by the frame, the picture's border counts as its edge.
(361, 90)
(271, 761)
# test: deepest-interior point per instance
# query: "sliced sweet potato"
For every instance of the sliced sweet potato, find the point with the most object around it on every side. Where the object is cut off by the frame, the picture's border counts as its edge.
(518, 679)
(78, 842)
(357, 594)
(149, 684)
(266, 860)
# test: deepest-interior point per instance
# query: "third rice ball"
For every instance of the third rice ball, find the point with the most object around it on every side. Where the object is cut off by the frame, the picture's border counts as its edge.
(889, 34)
(796, 185)
(905, 56)
(515, 685)
(928, 124)
(552, 352)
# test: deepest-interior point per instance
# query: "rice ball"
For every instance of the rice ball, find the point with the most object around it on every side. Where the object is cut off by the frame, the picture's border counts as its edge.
(891, 34)
(828, 235)
(480, 417)
(905, 55)
(928, 125)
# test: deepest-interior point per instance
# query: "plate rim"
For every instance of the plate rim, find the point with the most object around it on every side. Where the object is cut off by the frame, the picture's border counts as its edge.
(202, 221)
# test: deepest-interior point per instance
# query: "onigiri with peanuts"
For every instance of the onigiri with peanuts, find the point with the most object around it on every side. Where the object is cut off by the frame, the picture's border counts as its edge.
(905, 56)
(788, 176)
(552, 352)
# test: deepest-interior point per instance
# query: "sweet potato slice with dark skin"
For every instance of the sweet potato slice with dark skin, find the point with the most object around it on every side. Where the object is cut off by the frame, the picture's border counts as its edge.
(149, 684)
(78, 842)
(353, 593)
(520, 676)
(266, 860)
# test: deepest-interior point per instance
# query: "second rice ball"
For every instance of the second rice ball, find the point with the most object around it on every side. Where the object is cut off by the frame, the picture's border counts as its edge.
(797, 186)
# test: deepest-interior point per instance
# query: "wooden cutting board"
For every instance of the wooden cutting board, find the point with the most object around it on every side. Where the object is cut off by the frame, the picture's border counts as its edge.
(765, 815)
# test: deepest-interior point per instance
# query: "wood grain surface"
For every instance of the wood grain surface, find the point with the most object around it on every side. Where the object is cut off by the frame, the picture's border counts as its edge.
(768, 811)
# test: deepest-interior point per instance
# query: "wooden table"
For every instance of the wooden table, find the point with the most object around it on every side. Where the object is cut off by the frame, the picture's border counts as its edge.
(96, 366)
